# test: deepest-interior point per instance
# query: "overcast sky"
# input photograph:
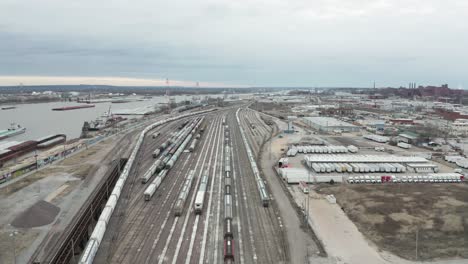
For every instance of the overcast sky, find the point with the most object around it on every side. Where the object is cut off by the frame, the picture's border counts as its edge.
(235, 42)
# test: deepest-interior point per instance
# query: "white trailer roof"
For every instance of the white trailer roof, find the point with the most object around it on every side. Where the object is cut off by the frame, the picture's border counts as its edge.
(364, 158)
(328, 121)
(422, 165)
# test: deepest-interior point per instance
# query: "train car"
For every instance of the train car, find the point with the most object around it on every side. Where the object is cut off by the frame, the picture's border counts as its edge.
(228, 228)
(193, 145)
(227, 168)
(183, 124)
(155, 135)
(173, 150)
(152, 188)
(156, 153)
(228, 249)
(227, 206)
(179, 206)
(200, 197)
(160, 166)
(166, 159)
(227, 189)
(228, 180)
(264, 197)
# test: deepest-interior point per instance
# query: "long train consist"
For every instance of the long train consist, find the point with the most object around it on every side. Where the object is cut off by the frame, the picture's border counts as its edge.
(98, 232)
(228, 249)
(167, 160)
(265, 198)
(171, 149)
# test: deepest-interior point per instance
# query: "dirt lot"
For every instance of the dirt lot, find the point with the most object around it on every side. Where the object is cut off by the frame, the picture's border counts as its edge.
(391, 216)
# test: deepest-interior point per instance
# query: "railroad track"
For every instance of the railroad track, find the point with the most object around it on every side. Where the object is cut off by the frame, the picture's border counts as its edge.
(148, 232)
(260, 217)
(144, 248)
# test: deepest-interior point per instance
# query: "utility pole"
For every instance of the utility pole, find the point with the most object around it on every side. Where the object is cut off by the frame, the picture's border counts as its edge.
(417, 240)
(13, 235)
(35, 156)
(307, 195)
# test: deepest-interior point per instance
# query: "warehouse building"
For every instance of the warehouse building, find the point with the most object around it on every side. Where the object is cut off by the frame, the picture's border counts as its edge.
(329, 124)
(344, 158)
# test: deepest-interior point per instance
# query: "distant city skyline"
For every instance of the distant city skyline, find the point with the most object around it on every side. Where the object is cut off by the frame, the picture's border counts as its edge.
(142, 82)
(338, 43)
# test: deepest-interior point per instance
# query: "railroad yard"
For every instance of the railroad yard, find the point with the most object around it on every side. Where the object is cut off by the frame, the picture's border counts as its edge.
(234, 185)
(233, 224)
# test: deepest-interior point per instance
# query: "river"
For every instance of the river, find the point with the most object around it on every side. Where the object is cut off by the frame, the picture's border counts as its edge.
(40, 120)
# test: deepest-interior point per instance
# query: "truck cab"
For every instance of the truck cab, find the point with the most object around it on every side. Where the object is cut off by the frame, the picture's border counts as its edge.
(367, 178)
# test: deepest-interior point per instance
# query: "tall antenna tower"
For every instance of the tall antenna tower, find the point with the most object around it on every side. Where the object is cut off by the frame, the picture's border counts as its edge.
(167, 88)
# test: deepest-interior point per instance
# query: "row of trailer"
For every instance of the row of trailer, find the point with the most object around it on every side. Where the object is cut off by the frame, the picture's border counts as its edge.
(265, 198)
(429, 178)
(357, 167)
(377, 138)
(293, 151)
(228, 249)
(97, 235)
(176, 145)
(457, 159)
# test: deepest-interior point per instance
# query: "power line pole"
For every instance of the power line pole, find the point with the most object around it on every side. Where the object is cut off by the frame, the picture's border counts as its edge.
(13, 234)
(417, 240)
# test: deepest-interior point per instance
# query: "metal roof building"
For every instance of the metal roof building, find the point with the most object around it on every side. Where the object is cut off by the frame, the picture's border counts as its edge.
(329, 124)
(363, 159)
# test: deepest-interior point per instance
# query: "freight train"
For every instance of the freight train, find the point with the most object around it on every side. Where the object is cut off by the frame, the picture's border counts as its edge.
(199, 199)
(168, 154)
(228, 251)
(179, 206)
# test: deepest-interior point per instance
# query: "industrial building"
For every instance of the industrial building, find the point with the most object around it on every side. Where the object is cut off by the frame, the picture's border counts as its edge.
(343, 158)
(329, 124)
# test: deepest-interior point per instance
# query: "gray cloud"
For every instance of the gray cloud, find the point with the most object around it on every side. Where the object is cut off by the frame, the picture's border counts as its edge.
(323, 42)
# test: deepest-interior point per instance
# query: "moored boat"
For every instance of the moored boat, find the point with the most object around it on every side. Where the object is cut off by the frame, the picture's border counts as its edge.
(12, 131)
